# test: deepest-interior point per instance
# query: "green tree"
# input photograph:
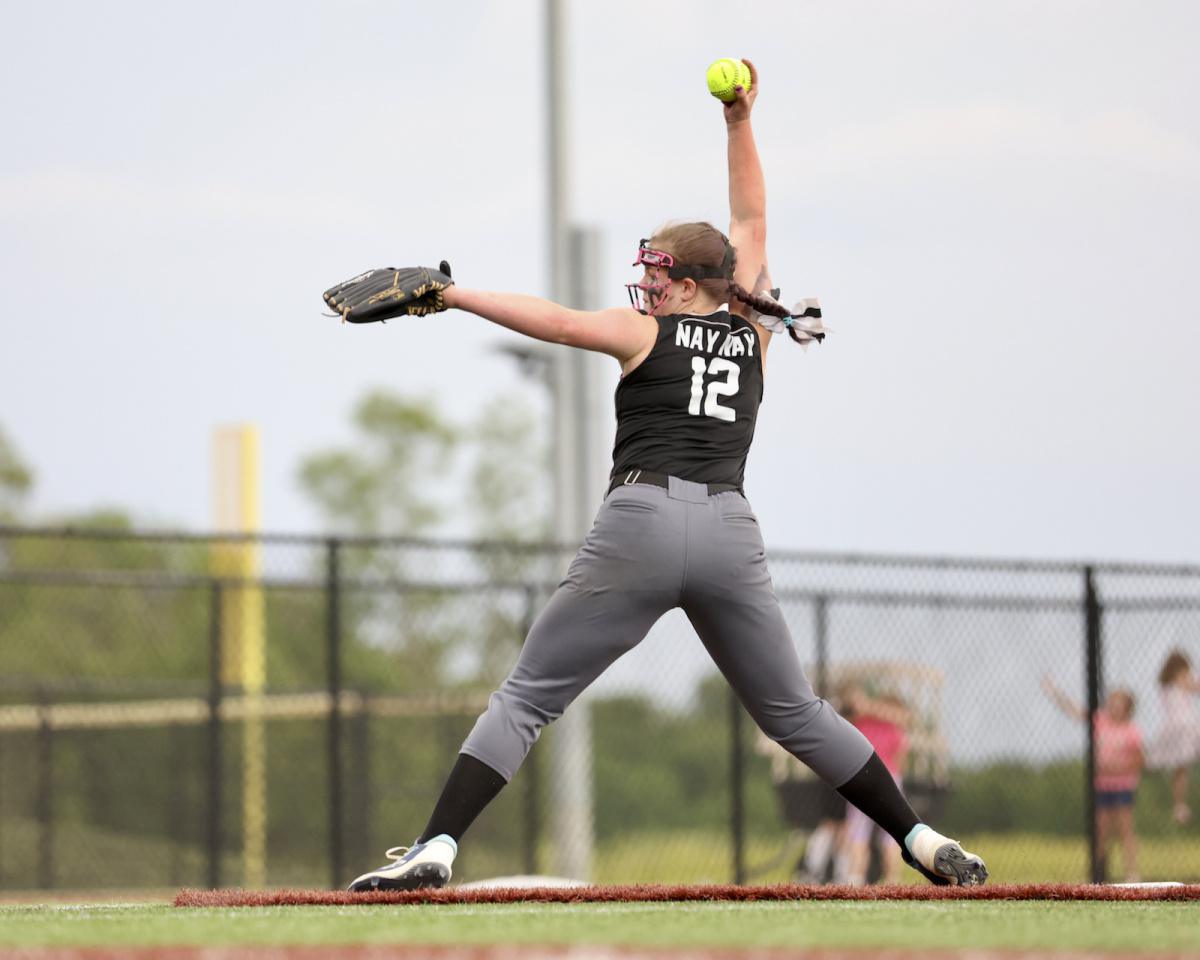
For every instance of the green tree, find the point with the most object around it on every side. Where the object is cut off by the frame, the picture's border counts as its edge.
(103, 626)
(383, 484)
(394, 480)
(386, 483)
(16, 480)
(510, 476)
(508, 503)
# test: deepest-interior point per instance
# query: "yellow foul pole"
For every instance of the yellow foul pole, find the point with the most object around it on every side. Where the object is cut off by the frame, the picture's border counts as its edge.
(236, 505)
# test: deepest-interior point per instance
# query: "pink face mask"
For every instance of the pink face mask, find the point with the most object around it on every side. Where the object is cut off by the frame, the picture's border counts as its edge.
(645, 296)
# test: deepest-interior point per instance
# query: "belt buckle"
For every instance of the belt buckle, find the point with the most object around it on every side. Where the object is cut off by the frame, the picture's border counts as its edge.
(631, 477)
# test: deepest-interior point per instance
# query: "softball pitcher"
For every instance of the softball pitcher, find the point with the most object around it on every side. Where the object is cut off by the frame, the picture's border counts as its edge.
(674, 530)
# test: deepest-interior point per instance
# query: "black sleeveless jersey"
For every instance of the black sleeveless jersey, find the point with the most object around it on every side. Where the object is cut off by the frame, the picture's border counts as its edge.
(689, 408)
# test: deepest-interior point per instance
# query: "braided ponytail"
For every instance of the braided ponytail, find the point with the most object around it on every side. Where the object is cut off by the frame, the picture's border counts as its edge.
(770, 307)
(764, 305)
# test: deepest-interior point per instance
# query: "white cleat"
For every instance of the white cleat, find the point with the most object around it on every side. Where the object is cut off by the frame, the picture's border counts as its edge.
(412, 868)
(944, 862)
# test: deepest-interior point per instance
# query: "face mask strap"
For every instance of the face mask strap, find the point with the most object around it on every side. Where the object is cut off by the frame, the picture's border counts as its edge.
(723, 272)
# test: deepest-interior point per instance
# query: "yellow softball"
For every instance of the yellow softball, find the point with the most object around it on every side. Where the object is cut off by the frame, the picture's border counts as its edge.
(726, 74)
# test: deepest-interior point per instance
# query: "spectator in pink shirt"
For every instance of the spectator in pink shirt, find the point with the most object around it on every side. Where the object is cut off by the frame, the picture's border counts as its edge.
(883, 720)
(1119, 763)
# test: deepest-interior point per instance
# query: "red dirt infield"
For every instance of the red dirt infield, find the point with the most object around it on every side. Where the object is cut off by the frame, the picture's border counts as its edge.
(690, 893)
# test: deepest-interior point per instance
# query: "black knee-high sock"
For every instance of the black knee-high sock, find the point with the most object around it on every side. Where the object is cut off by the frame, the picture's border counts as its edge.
(875, 793)
(471, 786)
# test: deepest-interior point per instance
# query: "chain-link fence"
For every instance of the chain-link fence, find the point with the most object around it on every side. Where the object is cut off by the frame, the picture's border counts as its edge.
(167, 712)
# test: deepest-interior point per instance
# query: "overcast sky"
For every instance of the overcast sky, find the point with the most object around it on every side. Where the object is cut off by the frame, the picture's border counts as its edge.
(996, 203)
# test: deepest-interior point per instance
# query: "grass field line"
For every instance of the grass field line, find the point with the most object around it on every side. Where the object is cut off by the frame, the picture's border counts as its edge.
(552, 952)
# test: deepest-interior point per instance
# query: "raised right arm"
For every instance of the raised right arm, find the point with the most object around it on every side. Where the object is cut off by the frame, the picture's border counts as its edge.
(747, 187)
(747, 200)
(1062, 701)
(621, 332)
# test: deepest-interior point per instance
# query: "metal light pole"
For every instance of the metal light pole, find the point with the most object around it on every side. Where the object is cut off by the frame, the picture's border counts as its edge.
(571, 744)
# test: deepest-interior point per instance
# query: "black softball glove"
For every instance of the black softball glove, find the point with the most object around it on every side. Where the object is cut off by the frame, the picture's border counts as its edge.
(390, 292)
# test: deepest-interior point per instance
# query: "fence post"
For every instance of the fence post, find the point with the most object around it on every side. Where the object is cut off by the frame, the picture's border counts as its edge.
(361, 738)
(214, 735)
(737, 776)
(45, 793)
(1094, 678)
(334, 677)
(529, 770)
(2, 806)
(180, 740)
(821, 636)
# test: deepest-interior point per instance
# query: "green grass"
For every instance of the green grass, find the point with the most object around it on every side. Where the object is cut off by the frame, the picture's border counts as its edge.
(679, 856)
(1081, 926)
(100, 858)
(697, 857)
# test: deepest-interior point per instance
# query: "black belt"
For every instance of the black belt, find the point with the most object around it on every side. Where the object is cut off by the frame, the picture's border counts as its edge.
(662, 480)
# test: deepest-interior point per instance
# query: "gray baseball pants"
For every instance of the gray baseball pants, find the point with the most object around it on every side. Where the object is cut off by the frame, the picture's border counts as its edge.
(652, 549)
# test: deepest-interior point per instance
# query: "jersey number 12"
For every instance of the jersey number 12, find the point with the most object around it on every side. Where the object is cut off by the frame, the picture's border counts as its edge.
(716, 388)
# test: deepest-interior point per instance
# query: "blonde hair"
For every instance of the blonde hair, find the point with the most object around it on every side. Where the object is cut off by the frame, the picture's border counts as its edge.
(1130, 700)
